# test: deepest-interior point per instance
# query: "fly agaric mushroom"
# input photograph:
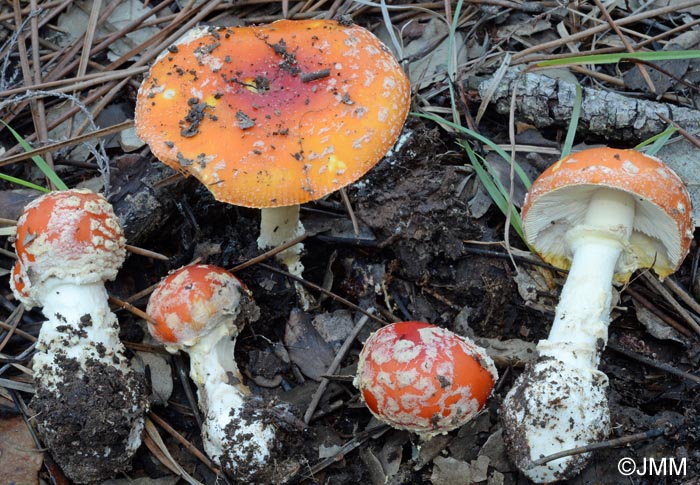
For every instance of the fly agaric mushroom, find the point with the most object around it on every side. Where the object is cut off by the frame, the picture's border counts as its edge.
(89, 404)
(422, 378)
(601, 213)
(273, 116)
(200, 309)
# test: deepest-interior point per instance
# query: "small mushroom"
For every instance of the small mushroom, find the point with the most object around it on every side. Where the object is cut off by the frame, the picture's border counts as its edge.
(200, 310)
(89, 403)
(601, 213)
(275, 115)
(422, 378)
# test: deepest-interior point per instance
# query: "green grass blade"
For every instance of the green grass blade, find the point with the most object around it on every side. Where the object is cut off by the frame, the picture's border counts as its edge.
(491, 184)
(573, 123)
(23, 183)
(40, 163)
(657, 141)
(466, 131)
(615, 58)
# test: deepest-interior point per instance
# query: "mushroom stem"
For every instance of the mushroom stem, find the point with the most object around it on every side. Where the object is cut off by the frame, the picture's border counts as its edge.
(560, 401)
(580, 329)
(78, 352)
(81, 311)
(224, 400)
(277, 226)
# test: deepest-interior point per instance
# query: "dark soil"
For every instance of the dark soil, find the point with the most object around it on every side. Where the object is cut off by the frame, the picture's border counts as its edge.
(95, 405)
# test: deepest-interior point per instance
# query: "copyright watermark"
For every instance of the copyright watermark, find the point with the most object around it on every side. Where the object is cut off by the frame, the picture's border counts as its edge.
(664, 467)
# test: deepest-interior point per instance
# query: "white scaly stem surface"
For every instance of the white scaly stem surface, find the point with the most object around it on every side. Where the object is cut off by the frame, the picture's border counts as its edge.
(277, 226)
(222, 400)
(82, 313)
(560, 403)
(65, 304)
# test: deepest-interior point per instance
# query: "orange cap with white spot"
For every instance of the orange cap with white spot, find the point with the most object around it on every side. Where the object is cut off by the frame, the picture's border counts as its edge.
(274, 115)
(71, 235)
(423, 378)
(191, 302)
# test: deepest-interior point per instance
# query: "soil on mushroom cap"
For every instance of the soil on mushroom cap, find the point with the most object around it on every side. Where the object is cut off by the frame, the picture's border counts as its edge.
(95, 406)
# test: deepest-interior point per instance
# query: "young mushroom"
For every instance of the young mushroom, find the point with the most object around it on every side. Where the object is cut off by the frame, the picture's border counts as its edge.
(200, 309)
(273, 116)
(89, 404)
(601, 213)
(422, 378)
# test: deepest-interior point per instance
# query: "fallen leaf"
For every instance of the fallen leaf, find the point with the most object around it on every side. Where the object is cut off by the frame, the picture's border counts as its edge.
(448, 471)
(495, 449)
(374, 466)
(523, 25)
(334, 327)
(431, 60)
(508, 353)
(306, 347)
(392, 452)
(160, 373)
(20, 460)
(662, 82)
(656, 327)
(480, 468)
(75, 21)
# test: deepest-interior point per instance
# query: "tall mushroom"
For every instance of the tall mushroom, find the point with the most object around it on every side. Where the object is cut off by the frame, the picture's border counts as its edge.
(89, 403)
(200, 309)
(273, 116)
(601, 213)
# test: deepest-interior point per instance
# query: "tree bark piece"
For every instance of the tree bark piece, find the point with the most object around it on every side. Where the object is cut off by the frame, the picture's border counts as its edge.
(545, 102)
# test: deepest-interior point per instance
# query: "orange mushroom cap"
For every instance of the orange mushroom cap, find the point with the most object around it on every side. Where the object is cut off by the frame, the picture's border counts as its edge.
(274, 115)
(663, 226)
(69, 234)
(191, 302)
(423, 378)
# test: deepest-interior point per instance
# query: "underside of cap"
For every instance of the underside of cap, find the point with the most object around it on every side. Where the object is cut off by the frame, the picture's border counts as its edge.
(655, 241)
(560, 197)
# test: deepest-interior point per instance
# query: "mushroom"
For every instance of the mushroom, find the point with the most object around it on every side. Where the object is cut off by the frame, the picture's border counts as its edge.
(423, 378)
(601, 213)
(200, 310)
(273, 116)
(89, 404)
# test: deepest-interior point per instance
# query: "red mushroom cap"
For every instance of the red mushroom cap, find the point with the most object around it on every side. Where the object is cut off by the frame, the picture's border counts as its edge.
(423, 378)
(274, 115)
(192, 301)
(72, 234)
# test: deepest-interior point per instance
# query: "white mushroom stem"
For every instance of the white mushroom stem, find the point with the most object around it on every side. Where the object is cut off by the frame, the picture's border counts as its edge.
(80, 326)
(279, 225)
(231, 433)
(580, 329)
(560, 402)
(84, 310)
